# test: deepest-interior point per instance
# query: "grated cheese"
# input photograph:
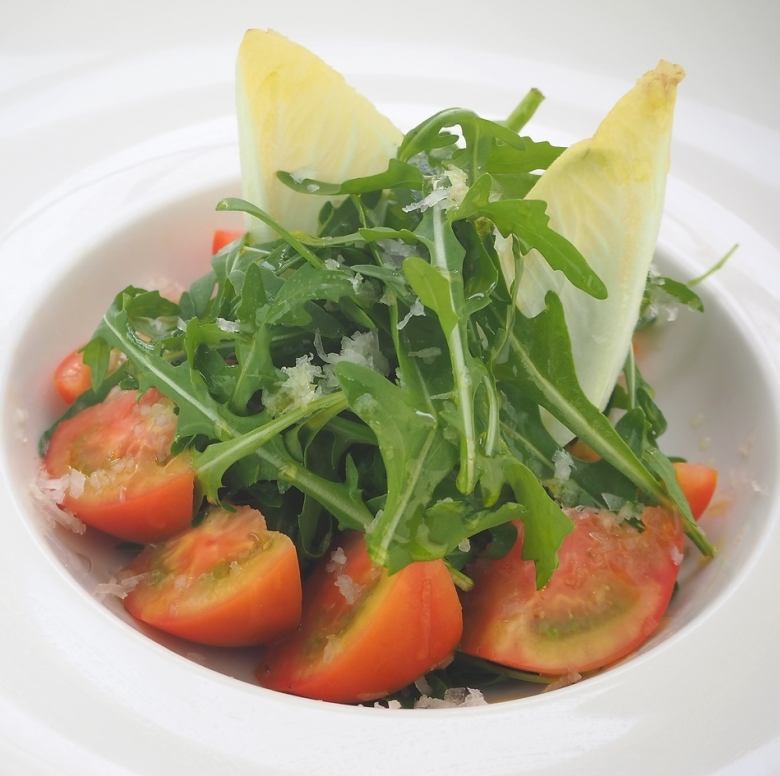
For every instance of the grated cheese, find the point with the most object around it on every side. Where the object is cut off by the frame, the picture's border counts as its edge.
(337, 558)
(348, 588)
(119, 587)
(298, 389)
(454, 697)
(229, 326)
(417, 309)
(361, 348)
(563, 463)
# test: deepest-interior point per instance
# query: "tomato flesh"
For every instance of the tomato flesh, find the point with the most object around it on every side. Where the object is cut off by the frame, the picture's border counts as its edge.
(228, 582)
(122, 479)
(607, 596)
(364, 633)
(698, 483)
(223, 237)
(72, 377)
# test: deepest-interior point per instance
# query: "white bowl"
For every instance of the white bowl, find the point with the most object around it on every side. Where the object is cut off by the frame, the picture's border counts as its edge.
(106, 697)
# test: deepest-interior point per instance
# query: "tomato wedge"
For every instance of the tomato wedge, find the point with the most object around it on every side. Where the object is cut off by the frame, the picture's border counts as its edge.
(698, 483)
(606, 597)
(121, 478)
(364, 633)
(229, 582)
(223, 237)
(72, 377)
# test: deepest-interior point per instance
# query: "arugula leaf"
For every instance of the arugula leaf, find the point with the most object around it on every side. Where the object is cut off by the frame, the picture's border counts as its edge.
(527, 221)
(546, 526)
(661, 465)
(199, 414)
(451, 445)
(660, 296)
(242, 206)
(398, 174)
(416, 455)
(439, 285)
(214, 461)
(538, 360)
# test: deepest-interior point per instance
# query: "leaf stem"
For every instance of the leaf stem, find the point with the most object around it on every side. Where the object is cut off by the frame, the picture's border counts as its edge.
(525, 109)
(467, 475)
(629, 370)
(242, 206)
(219, 456)
(715, 267)
(460, 580)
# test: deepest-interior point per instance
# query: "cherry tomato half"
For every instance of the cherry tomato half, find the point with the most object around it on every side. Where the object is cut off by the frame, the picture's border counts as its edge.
(122, 479)
(365, 633)
(72, 377)
(228, 582)
(698, 483)
(607, 596)
(223, 237)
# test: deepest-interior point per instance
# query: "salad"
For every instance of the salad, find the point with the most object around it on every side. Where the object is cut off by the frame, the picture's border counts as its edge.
(397, 438)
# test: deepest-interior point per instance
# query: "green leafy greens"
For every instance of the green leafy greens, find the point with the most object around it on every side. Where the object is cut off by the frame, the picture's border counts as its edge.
(377, 375)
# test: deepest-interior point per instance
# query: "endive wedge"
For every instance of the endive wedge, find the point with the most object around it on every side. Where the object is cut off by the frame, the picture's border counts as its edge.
(605, 195)
(297, 114)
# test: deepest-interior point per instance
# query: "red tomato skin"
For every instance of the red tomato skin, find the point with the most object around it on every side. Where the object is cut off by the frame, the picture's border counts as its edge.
(604, 600)
(698, 483)
(408, 624)
(223, 237)
(153, 516)
(156, 503)
(261, 603)
(72, 377)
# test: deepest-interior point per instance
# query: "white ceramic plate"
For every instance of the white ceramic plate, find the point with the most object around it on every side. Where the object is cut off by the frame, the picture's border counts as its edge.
(114, 157)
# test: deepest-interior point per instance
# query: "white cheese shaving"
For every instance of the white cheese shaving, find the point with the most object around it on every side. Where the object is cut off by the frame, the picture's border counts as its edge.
(338, 558)
(458, 186)
(395, 251)
(563, 463)
(348, 588)
(119, 587)
(299, 388)
(434, 198)
(417, 308)
(453, 698)
(361, 348)
(391, 704)
(77, 482)
(228, 326)
(357, 282)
